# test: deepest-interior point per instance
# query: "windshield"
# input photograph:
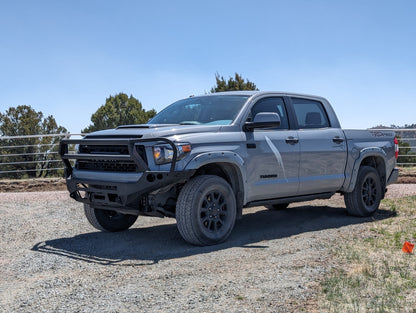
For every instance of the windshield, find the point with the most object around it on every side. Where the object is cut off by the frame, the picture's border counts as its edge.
(214, 110)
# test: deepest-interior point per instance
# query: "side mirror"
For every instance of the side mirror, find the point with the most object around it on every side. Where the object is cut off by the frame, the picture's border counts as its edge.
(263, 120)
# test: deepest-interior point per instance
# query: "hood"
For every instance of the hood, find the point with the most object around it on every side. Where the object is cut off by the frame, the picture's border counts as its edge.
(152, 130)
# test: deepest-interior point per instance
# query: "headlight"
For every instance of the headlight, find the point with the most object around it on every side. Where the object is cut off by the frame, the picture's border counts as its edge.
(164, 154)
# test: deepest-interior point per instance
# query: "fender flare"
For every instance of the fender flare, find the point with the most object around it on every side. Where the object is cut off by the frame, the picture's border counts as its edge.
(363, 154)
(216, 157)
(225, 157)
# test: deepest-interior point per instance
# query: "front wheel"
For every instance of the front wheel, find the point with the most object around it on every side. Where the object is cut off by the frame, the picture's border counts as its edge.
(106, 220)
(206, 210)
(365, 199)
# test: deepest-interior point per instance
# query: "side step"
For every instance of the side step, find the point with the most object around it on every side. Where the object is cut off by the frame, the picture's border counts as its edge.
(325, 195)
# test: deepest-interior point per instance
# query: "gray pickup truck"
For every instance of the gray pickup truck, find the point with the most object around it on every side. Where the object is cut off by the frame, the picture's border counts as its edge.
(203, 159)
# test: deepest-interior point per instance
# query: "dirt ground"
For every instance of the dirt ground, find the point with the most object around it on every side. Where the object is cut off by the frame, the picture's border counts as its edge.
(52, 260)
(38, 184)
(406, 176)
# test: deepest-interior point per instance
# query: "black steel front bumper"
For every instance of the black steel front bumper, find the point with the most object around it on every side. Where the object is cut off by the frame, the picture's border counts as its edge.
(118, 191)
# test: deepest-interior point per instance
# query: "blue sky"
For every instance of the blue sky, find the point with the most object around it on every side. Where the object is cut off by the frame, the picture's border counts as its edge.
(65, 58)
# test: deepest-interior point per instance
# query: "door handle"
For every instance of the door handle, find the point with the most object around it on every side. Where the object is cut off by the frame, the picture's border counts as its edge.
(292, 140)
(338, 139)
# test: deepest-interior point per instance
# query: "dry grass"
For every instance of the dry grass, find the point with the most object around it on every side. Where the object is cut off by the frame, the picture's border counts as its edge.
(373, 274)
(409, 169)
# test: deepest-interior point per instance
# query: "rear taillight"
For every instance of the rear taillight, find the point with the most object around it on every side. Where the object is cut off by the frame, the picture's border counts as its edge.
(396, 148)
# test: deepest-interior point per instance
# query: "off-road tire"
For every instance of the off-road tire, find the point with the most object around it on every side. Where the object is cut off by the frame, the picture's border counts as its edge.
(365, 199)
(277, 207)
(206, 210)
(106, 220)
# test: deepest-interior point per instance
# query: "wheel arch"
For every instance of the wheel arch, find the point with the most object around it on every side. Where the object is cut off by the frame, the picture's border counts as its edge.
(378, 163)
(227, 166)
(374, 158)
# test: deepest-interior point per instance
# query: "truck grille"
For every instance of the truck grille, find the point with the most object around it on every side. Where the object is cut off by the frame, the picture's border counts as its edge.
(116, 150)
(95, 164)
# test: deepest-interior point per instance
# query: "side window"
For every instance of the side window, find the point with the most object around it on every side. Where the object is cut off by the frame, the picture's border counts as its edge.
(310, 113)
(273, 104)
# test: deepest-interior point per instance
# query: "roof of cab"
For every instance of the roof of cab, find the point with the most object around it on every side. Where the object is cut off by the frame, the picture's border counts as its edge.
(260, 93)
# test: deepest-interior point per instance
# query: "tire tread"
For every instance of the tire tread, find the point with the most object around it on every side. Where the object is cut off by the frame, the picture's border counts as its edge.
(188, 196)
(94, 215)
(352, 199)
(92, 218)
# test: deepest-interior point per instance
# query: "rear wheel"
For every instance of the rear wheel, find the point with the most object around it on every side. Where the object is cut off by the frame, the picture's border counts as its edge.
(277, 207)
(206, 210)
(106, 220)
(365, 199)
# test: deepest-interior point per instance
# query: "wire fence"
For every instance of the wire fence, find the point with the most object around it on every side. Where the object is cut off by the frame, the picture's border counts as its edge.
(407, 147)
(38, 155)
(34, 156)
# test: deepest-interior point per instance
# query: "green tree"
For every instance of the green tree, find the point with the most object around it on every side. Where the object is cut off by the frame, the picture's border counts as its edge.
(29, 157)
(233, 84)
(119, 110)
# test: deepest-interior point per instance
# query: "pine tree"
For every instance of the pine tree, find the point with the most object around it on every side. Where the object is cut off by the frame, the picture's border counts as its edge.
(233, 84)
(28, 157)
(119, 110)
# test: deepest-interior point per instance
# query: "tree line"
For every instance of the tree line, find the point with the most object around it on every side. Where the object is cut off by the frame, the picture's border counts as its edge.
(38, 156)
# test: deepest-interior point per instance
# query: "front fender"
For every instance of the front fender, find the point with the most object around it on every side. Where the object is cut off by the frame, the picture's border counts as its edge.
(215, 157)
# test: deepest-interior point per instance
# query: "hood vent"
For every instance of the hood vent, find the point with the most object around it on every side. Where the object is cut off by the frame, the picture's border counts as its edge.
(145, 126)
(113, 136)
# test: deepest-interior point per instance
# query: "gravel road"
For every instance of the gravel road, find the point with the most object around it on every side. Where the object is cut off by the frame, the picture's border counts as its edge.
(53, 261)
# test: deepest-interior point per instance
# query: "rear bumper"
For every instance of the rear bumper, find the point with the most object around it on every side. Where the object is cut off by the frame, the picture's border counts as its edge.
(393, 176)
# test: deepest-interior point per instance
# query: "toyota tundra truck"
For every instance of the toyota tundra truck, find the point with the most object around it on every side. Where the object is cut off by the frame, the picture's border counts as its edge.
(203, 159)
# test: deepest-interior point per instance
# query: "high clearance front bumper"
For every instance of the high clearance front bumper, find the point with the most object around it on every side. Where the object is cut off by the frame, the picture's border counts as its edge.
(118, 191)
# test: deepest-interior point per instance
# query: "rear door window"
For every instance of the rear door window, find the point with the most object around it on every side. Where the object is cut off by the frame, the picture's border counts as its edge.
(310, 113)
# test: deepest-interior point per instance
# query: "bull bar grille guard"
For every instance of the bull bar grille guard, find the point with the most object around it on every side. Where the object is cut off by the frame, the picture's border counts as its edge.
(121, 197)
(130, 143)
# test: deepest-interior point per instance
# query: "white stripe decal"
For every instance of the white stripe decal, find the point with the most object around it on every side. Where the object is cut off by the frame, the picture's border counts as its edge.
(277, 155)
